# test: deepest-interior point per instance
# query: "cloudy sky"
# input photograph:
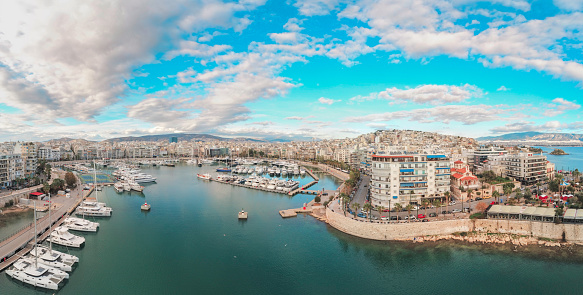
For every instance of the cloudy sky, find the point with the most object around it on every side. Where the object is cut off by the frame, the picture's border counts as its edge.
(98, 69)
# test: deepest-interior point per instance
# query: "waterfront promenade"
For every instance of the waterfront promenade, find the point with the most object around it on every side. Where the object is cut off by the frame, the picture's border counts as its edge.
(17, 243)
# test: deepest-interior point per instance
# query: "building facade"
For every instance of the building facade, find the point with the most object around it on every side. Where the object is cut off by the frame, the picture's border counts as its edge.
(528, 168)
(408, 178)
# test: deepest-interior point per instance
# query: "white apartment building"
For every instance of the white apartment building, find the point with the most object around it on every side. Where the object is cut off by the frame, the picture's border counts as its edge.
(408, 178)
(527, 168)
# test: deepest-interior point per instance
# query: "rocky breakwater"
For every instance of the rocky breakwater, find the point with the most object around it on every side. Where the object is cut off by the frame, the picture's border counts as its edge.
(485, 238)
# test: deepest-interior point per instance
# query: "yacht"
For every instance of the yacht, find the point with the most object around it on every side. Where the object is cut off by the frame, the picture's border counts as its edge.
(97, 210)
(283, 172)
(224, 169)
(126, 186)
(118, 186)
(302, 172)
(135, 186)
(143, 178)
(54, 258)
(36, 274)
(80, 224)
(62, 236)
(206, 176)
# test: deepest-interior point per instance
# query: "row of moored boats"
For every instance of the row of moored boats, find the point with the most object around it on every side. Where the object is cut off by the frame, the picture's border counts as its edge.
(284, 185)
(131, 180)
(47, 268)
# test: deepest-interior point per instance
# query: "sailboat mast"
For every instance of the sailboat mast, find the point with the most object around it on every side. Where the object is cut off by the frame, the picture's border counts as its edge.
(35, 245)
(50, 225)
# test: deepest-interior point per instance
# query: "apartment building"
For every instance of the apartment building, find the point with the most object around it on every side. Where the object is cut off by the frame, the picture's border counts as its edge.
(408, 178)
(528, 168)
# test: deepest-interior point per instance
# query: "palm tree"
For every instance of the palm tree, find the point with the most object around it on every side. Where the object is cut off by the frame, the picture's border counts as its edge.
(380, 210)
(355, 206)
(436, 203)
(368, 207)
(398, 207)
(470, 191)
(447, 200)
(425, 203)
(576, 175)
(496, 195)
(409, 207)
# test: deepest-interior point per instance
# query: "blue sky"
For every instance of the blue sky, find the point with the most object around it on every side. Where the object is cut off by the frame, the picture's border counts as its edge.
(289, 69)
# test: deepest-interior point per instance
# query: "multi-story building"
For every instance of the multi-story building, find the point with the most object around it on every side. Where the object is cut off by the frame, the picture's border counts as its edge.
(481, 154)
(528, 168)
(408, 178)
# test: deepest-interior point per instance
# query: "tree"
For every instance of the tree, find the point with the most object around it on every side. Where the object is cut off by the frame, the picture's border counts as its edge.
(355, 206)
(409, 207)
(527, 194)
(46, 188)
(576, 175)
(507, 189)
(70, 179)
(57, 184)
(380, 210)
(489, 176)
(425, 203)
(496, 196)
(447, 200)
(398, 207)
(317, 199)
(436, 203)
(368, 208)
(554, 185)
(48, 171)
(345, 201)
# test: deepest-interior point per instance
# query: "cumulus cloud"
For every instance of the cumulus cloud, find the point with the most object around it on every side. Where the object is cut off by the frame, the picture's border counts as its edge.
(296, 118)
(502, 88)
(559, 106)
(426, 94)
(464, 114)
(569, 5)
(525, 126)
(315, 7)
(77, 55)
(195, 49)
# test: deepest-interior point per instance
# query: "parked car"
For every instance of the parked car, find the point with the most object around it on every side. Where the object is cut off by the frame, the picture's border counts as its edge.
(361, 215)
(425, 220)
(386, 210)
(432, 215)
(452, 203)
(479, 199)
(456, 211)
(384, 218)
(421, 216)
(396, 218)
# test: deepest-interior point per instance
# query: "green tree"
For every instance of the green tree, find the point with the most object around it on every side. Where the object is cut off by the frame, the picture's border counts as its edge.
(507, 188)
(496, 196)
(489, 176)
(409, 207)
(576, 175)
(70, 179)
(355, 207)
(447, 201)
(527, 195)
(425, 203)
(57, 185)
(554, 185)
(48, 171)
(380, 209)
(436, 203)
(46, 188)
(398, 207)
(368, 208)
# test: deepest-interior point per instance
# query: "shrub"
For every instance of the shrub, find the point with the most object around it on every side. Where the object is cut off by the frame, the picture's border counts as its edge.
(317, 199)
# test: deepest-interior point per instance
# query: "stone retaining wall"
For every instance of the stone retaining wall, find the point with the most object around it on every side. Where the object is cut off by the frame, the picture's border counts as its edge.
(399, 231)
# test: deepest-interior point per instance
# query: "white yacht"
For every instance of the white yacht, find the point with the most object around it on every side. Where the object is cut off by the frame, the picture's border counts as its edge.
(206, 176)
(143, 178)
(126, 186)
(54, 258)
(36, 274)
(62, 236)
(135, 186)
(80, 224)
(302, 172)
(118, 186)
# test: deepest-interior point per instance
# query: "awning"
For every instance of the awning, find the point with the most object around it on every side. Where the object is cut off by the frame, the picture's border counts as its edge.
(435, 156)
(516, 209)
(540, 211)
(570, 214)
(549, 212)
(495, 209)
(407, 170)
(528, 211)
(505, 209)
(407, 184)
(579, 215)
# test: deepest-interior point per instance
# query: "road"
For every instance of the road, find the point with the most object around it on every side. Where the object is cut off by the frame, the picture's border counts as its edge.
(13, 243)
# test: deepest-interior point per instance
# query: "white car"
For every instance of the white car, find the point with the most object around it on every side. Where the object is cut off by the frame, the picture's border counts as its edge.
(384, 218)
(452, 203)
(456, 211)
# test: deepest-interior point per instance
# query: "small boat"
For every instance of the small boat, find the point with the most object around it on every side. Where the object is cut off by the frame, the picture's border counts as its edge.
(118, 187)
(242, 214)
(224, 169)
(145, 207)
(204, 176)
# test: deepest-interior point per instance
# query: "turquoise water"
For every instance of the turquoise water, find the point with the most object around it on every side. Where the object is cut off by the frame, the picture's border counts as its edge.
(192, 243)
(567, 162)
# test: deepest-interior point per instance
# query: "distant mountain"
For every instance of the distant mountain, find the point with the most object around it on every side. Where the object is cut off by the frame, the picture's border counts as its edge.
(534, 136)
(180, 136)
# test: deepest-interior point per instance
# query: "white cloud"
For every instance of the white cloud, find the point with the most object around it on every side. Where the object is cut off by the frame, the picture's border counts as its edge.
(296, 118)
(525, 126)
(502, 88)
(427, 94)
(195, 49)
(315, 7)
(464, 114)
(77, 55)
(559, 106)
(293, 25)
(569, 5)
(328, 101)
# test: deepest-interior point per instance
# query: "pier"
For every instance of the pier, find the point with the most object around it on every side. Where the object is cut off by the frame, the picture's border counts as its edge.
(20, 243)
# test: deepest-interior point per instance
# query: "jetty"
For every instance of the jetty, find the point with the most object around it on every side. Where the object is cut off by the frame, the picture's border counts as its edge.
(21, 242)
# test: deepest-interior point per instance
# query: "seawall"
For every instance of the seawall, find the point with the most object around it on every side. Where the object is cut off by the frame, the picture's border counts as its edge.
(572, 233)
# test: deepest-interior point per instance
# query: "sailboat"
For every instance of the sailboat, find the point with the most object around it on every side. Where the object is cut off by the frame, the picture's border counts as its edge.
(52, 257)
(91, 207)
(31, 272)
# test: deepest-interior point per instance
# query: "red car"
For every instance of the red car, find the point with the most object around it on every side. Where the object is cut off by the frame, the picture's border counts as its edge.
(421, 216)
(386, 210)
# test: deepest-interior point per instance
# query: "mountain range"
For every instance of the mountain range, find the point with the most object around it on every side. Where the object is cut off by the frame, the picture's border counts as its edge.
(534, 136)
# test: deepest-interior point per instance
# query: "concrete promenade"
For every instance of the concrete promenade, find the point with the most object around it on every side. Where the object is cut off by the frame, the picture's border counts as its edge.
(330, 170)
(19, 243)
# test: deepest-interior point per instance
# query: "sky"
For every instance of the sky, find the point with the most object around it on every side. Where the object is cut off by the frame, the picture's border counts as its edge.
(303, 69)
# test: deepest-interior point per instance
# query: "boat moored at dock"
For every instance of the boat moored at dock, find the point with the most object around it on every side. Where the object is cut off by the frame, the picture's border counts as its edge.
(63, 237)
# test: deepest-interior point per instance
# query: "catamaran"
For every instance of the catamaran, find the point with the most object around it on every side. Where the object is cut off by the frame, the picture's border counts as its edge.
(80, 224)
(31, 272)
(62, 236)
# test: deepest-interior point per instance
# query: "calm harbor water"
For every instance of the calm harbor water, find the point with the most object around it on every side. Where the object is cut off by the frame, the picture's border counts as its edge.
(567, 162)
(191, 242)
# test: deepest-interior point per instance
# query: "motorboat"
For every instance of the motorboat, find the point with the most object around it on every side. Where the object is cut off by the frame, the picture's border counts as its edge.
(62, 236)
(80, 224)
(100, 211)
(302, 172)
(204, 176)
(53, 258)
(119, 187)
(146, 207)
(224, 169)
(134, 186)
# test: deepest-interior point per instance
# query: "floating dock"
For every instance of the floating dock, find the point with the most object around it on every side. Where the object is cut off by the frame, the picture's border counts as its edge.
(242, 215)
